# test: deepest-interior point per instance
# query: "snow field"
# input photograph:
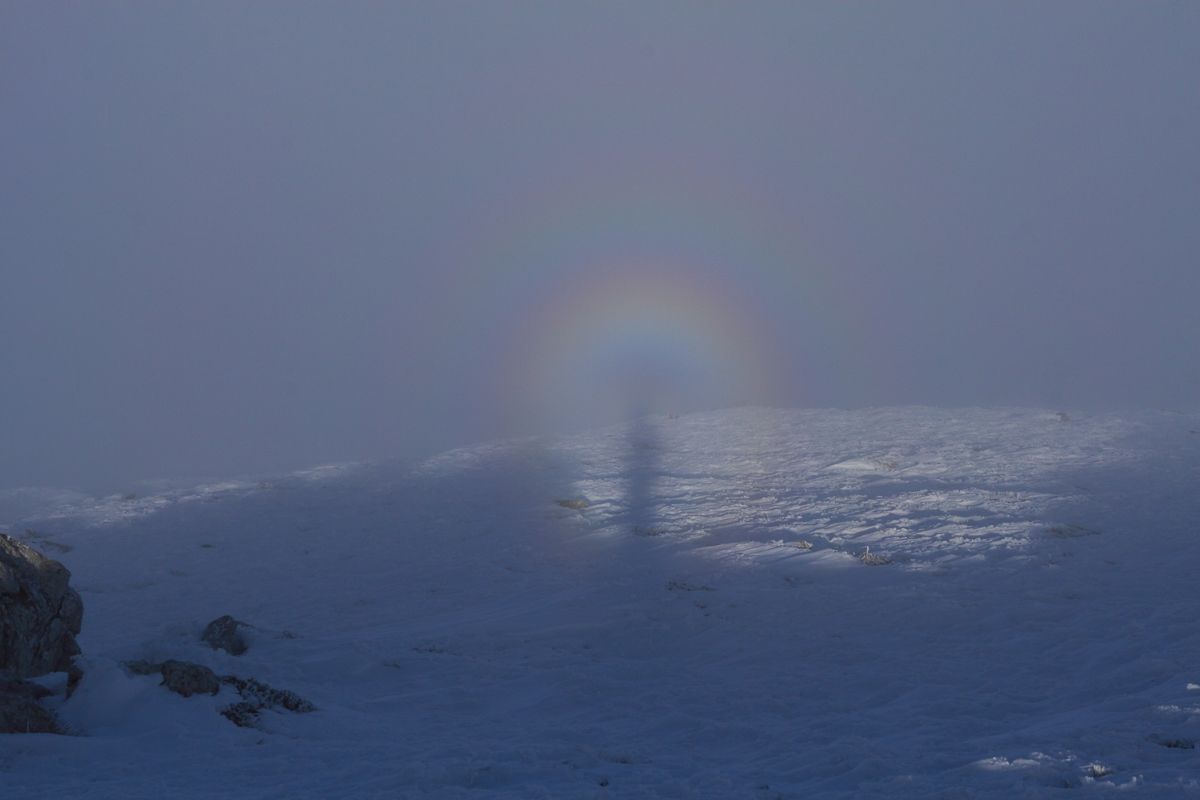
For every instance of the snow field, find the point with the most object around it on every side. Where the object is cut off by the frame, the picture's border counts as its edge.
(708, 626)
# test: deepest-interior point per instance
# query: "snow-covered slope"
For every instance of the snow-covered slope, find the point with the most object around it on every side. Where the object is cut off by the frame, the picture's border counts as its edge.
(708, 626)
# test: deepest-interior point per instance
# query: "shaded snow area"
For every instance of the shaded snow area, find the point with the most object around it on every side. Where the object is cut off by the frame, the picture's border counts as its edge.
(750, 604)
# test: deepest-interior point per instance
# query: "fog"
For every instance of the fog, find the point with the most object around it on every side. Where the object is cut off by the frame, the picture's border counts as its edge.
(247, 237)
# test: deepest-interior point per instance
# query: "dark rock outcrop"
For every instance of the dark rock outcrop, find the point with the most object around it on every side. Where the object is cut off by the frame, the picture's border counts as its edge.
(258, 697)
(223, 634)
(243, 714)
(20, 711)
(40, 614)
(187, 679)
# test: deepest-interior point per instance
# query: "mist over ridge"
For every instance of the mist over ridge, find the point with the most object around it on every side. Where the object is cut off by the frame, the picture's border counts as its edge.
(244, 238)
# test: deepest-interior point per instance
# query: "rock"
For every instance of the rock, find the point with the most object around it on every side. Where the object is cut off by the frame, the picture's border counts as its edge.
(20, 711)
(25, 688)
(243, 714)
(268, 697)
(874, 559)
(142, 667)
(223, 634)
(258, 697)
(187, 679)
(40, 613)
(74, 676)
(8, 580)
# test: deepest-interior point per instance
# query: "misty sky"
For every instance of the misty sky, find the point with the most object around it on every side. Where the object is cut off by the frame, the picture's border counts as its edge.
(240, 237)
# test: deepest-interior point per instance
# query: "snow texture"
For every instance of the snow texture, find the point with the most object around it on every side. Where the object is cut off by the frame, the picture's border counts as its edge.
(751, 604)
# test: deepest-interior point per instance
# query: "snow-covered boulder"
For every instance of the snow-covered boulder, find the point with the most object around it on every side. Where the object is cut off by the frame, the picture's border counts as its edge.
(40, 613)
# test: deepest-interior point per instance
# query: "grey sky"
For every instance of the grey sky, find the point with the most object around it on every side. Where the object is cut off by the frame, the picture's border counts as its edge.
(239, 237)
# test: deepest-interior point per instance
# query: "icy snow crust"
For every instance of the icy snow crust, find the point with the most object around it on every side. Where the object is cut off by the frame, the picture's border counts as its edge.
(705, 628)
